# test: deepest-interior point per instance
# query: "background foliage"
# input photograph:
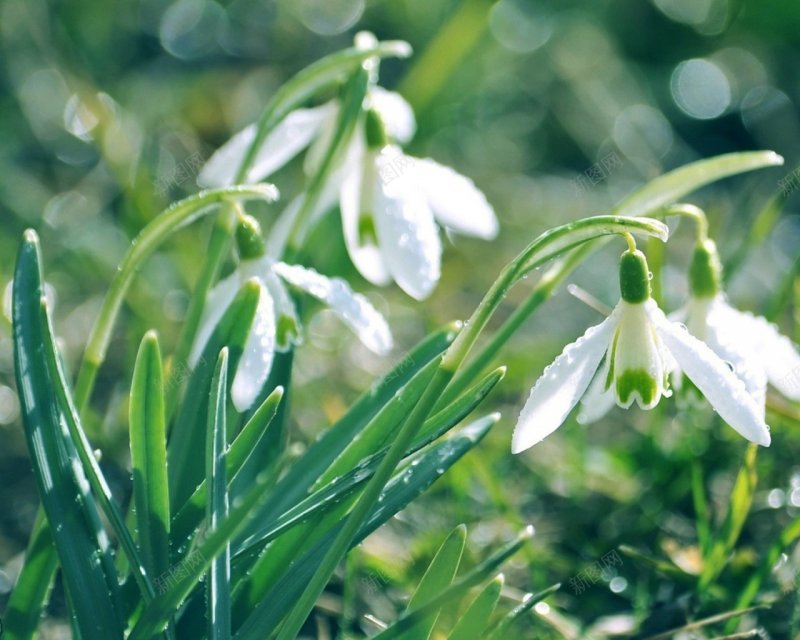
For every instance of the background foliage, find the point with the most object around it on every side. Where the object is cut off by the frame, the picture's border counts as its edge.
(106, 109)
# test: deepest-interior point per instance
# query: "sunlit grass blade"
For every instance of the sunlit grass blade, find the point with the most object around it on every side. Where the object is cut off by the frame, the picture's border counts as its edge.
(157, 613)
(24, 609)
(218, 596)
(437, 577)
(149, 457)
(738, 509)
(338, 489)
(501, 630)
(187, 439)
(72, 513)
(700, 624)
(190, 515)
(475, 620)
(672, 186)
(294, 486)
(458, 588)
(406, 486)
(762, 226)
(333, 496)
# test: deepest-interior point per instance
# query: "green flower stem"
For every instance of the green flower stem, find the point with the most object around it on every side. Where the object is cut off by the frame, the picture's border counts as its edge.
(349, 116)
(218, 246)
(158, 230)
(689, 211)
(546, 247)
(543, 290)
(309, 81)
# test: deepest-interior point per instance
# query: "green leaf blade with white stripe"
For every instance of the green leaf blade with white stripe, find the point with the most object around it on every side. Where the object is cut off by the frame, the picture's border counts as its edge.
(149, 457)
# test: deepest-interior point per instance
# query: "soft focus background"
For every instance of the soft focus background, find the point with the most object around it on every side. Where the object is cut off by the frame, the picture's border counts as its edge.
(556, 109)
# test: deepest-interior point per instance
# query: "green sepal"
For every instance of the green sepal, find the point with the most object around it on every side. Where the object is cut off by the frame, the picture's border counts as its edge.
(249, 239)
(634, 277)
(375, 130)
(705, 271)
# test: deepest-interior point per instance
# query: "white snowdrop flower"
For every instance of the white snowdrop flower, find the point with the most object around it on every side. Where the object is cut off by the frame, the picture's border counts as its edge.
(276, 325)
(300, 129)
(753, 346)
(637, 347)
(390, 203)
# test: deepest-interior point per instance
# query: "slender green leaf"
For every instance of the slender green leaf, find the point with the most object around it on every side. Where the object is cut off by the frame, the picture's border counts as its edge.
(149, 456)
(189, 516)
(24, 609)
(332, 501)
(458, 588)
(501, 630)
(186, 440)
(157, 613)
(438, 576)
(72, 513)
(475, 620)
(672, 186)
(218, 584)
(341, 487)
(404, 488)
(738, 509)
(294, 486)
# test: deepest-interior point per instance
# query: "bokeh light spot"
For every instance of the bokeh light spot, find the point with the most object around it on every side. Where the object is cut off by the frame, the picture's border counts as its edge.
(701, 89)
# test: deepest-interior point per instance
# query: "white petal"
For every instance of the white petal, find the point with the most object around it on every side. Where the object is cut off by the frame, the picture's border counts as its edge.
(221, 168)
(289, 330)
(638, 352)
(561, 385)
(256, 360)
(353, 308)
(293, 134)
(396, 113)
(366, 255)
(456, 202)
(725, 392)
(598, 400)
(720, 335)
(319, 147)
(279, 234)
(775, 352)
(407, 234)
(217, 303)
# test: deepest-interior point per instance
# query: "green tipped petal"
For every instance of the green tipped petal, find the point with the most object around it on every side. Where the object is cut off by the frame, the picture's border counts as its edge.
(636, 384)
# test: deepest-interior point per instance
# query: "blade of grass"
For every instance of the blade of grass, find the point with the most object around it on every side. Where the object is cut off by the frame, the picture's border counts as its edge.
(294, 486)
(149, 457)
(186, 441)
(501, 630)
(191, 513)
(334, 496)
(475, 620)
(218, 583)
(741, 499)
(72, 513)
(24, 609)
(158, 612)
(675, 184)
(405, 486)
(438, 576)
(458, 588)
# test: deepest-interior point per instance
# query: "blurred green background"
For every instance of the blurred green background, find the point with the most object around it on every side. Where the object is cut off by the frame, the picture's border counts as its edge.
(106, 107)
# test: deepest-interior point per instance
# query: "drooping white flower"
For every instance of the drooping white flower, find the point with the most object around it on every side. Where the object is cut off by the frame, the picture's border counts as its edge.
(753, 346)
(390, 203)
(276, 326)
(628, 357)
